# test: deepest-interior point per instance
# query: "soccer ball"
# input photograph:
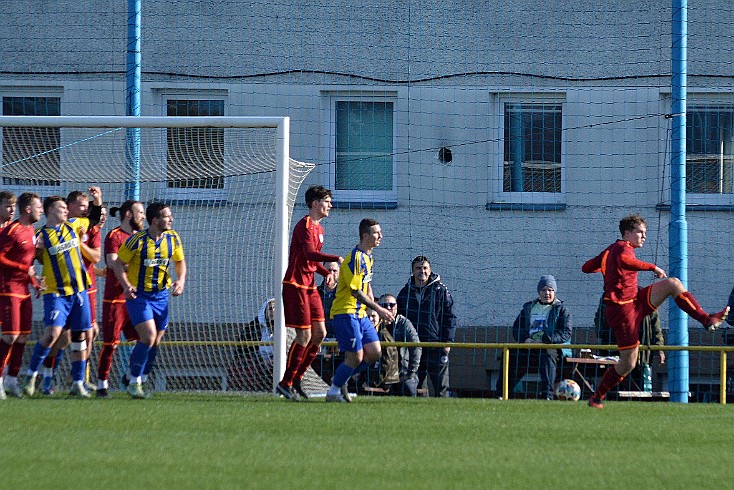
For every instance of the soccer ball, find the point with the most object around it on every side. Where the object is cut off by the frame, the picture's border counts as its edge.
(568, 390)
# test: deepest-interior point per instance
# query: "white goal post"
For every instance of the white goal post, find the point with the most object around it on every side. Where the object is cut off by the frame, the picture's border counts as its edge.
(201, 163)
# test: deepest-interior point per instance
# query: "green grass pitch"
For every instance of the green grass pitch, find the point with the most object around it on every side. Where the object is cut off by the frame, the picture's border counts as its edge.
(183, 441)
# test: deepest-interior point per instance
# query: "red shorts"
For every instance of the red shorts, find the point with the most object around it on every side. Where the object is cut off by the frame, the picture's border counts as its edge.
(301, 306)
(115, 320)
(16, 314)
(625, 319)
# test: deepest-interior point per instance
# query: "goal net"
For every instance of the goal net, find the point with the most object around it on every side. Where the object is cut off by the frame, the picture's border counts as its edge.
(231, 186)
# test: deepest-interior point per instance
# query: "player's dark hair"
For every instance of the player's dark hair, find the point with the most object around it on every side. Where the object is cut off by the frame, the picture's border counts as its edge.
(50, 201)
(316, 193)
(25, 200)
(418, 259)
(7, 195)
(124, 208)
(630, 222)
(73, 195)
(365, 225)
(153, 210)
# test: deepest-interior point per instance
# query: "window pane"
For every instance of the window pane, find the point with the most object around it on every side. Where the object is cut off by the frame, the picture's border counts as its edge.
(532, 148)
(31, 151)
(709, 147)
(364, 138)
(191, 150)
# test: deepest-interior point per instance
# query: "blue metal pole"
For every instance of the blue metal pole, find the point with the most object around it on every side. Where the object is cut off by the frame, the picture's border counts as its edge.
(678, 366)
(132, 97)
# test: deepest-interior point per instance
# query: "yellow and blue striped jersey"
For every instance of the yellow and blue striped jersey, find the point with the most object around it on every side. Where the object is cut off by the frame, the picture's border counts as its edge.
(63, 265)
(148, 260)
(355, 273)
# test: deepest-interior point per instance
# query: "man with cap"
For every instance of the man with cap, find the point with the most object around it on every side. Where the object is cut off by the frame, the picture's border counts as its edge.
(542, 320)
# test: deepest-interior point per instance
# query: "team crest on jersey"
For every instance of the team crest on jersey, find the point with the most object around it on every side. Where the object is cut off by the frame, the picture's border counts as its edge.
(321, 238)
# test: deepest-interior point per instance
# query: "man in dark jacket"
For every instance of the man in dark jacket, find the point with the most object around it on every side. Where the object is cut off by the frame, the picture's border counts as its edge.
(542, 320)
(427, 303)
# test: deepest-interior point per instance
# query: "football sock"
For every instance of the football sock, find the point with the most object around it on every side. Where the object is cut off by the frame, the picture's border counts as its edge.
(77, 370)
(150, 363)
(39, 354)
(138, 358)
(341, 376)
(610, 379)
(688, 303)
(312, 351)
(16, 358)
(105, 361)
(295, 358)
(4, 354)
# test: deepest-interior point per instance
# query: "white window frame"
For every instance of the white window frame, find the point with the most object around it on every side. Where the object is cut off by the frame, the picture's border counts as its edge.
(195, 194)
(330, 99)
(700, 100)
(498, 194)
(56, 92)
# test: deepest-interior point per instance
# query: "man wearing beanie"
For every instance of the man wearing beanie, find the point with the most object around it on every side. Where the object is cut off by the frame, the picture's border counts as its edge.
(542, 320)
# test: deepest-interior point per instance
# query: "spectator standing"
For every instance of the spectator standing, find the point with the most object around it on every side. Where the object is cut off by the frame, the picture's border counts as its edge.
(428, 304)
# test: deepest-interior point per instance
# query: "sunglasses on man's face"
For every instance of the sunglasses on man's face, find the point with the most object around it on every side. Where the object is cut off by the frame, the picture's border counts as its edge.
(388, 305)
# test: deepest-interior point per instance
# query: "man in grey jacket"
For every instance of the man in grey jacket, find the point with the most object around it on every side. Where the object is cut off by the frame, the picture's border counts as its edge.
(410, 357)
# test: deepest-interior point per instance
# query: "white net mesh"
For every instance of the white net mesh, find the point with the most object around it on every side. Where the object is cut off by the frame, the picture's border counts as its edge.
(221, 183)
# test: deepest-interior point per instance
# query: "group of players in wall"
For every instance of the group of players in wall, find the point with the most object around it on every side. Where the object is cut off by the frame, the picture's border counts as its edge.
(68, 246)
(138, 285)
(626, 304)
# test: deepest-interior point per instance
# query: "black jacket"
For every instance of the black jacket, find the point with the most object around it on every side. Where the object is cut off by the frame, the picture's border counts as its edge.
(429, 309)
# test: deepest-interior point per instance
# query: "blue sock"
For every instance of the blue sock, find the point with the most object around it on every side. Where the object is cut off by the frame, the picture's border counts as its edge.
(138, 358)
(39, 354)
(77, 370)
(150, 363)
(342, 374)
(362, 366)
(59, 357)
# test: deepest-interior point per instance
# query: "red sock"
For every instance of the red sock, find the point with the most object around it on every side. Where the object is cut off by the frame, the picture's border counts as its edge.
(311, 352)
(105, 361)
(688, 303)
(16, 358)
(4, 355)
(295, 358)
(610, 379)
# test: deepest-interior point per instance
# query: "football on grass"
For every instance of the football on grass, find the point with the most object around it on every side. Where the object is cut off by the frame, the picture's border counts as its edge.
(568, 390)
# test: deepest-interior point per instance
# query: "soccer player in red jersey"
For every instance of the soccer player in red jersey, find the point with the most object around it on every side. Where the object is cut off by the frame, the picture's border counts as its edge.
(626, 305)
(301, 301)
(114, 313)
(17, 253)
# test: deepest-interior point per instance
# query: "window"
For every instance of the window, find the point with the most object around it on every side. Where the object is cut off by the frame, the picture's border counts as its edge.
(31, 155)
(532, 148)
(709, 149)
(190, 149)
(362, 143)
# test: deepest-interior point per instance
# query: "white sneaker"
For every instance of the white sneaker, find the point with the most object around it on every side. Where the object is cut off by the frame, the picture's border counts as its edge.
(338, 398)
(2, 389)
(30, 384)
(135, 390)
(78, 390)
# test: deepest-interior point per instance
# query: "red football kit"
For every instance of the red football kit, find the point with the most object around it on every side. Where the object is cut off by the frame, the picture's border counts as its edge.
(17, 253)
(301, 300)
(626, 304)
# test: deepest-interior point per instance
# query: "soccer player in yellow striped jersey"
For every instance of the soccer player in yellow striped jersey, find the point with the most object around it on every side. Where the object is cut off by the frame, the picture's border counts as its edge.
(354, 332)
(141, 268)
(65, 300)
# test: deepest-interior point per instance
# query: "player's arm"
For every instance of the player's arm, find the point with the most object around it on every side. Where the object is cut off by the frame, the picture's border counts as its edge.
(592, 265)
(95, 207)
(120, 269)
(92, 254)
(315, 256)
(177, 287)
(630, 262)
(362, 297)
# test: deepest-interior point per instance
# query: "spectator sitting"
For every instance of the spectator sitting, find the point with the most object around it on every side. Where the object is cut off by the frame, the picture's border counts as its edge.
(385, 372)
(542, 320)
(409, 357)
